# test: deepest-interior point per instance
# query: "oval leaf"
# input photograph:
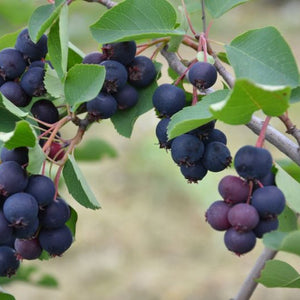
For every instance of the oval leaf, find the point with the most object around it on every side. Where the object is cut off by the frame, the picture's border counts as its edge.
(217, 8)
(136, 19)
(263, 56)
(83, 83)
(248, 97)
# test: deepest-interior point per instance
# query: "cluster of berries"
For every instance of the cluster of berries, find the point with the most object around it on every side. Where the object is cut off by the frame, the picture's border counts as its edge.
(22, 69)
(250, 204)
(126, 73)
(31, 218)
(202, 149)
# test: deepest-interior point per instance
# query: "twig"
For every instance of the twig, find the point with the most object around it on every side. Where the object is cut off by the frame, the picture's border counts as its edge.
(249, 284)
(107, 3)
(203, 16)
(290, 127)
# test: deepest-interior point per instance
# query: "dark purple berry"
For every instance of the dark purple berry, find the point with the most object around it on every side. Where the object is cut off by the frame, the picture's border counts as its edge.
(15, 93)
(2, 81)
(55, 241)
(93, 58)
(28, 249)
(202, 75)
(20, 209)
(122, 52)
(265, 226)
(27, 231)
(31, 51)
(269, 201)
(243, 217)
(116, 76)
(44, 110)
(269, 179)
(215, 135)
(37, 63)
(187, 149)
(203, 130)
(239, 242)
(252, 162)
(161, 133)
(194, 173)
(141, 72)
(233, 189)
(12, 64)
(6, 231)
(216, 215)
(168, 99)
(127, 97)
(41, 188)
(19, 155)
(55, 215)
(32, 82)
(8, 261)
(13, 178)
(216, 157)
(102, 107)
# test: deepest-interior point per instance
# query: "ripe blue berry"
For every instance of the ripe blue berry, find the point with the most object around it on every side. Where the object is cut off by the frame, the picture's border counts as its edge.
(168, 99)
(8, 262)
(28, 249)
(265, 226)
(202, 75)
(161, 133)
(19, 155)
(215, 135)
(15, 93)
(194, 173)
(127, 97)
(93, 58)
(27, 231)
(6, 231)
(44, 110)
(32, 82)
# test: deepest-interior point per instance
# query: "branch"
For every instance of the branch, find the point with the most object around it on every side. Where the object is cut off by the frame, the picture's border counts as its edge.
(107, 3)
(249, 284)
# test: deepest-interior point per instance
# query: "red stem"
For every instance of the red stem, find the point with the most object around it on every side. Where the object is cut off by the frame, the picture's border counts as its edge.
(262, 134)
(195, 96)
(188, 18)
(250, 191)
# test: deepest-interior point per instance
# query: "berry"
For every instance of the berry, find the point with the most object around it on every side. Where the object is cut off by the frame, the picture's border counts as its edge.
(202, 75)
(55, 214)
(239, 242)
(161, 133)
(6, 231)
(269, 179)
(269, 201)
(216, 157)
(116, 76)
(37, 63)
(216, 215)
(8, 261)
(123, 52)
(55, 241)
(203, 130)
(265, 226)
(56, 151)
(13, 178)
(141, 72)
(102, 107)
(20, 209)
(2, 81)
(28, 249)
(12, 64)
(27, 231)
(127, 97)
(32, 51)
(44, 110)
(41, 188)
(168, 99)
(19, 155)
(93, 58)
(15, 93)
(243, 217)
(32, 82)
(233, 189)
(193, 173)
(215, 135)
(186, 149)
(253, 163)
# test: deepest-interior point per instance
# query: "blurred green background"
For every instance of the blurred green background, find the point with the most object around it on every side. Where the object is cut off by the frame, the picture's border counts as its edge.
(150, 240)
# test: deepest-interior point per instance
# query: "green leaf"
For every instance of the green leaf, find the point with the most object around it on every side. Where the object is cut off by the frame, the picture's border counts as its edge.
(7, 120)
(94, 149)
(134, 20)
(5, 296)
(58, 43)
(287, 220)
(78, 186)
(217, 8)
(47, 280)
(42, 18)
(194, 116)
(53, 84)
(290, 167)
(248, 97)
(8, 40)
(75, 56)
(71, 223)
(295, 96)
(263, 56)
(223, 57)
(83, 83)
(124, 120)
(290, 188)
(277, 273)
(11, 107)
(36, 158)
(22, 136)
